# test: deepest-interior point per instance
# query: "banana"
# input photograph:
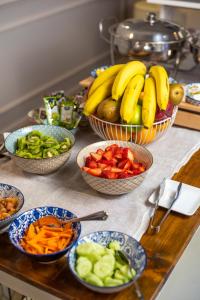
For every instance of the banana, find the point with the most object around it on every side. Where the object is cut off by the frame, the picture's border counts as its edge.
(125, 74)
(101, 93)
(149, 102)
(130, 98)
(162, 85)
(113, 70)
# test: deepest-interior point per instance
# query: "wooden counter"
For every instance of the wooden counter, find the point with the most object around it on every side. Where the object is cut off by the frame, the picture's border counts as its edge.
(163, 249)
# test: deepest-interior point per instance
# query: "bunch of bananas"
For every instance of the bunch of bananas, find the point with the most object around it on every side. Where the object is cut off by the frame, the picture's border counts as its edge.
(125, 83)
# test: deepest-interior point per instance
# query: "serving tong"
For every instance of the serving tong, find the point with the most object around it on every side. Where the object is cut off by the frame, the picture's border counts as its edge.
(156, 228)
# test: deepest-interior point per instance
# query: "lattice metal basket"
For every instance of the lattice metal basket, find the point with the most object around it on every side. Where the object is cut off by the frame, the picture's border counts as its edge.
(133, 133)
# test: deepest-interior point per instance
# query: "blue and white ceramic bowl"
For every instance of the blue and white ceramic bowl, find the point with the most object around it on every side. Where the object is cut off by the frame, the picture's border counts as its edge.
(43, 165)
(7, 190)
(20, 224)
(132, 248)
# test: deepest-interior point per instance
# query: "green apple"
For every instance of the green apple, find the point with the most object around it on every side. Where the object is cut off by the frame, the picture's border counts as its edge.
(137, 116)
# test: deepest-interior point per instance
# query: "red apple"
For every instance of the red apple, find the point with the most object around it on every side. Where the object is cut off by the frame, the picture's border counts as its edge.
(160, 115)
(169, 109)
(164, 114)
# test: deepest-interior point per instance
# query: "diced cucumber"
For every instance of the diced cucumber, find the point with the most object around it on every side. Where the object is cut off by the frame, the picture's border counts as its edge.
(109, 251)
(109, 281)
(92, 251)
(119, 275)
(126, 280)
(133, 272)
(109, 259)
(118, 265)
(83, 267)
(115, 245)
(128, 272)
(93, 279)
(87, 248)
(103, 269)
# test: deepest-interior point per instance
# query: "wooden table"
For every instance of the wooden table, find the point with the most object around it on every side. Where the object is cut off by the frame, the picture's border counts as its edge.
(163, 249)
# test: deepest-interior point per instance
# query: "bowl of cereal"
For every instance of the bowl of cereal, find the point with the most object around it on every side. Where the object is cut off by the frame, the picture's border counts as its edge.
(11, 202)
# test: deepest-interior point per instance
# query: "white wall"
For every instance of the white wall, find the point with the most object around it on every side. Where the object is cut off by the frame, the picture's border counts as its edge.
(45, 45)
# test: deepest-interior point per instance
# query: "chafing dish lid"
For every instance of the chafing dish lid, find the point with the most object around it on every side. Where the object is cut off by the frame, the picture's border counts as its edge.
(150, 30)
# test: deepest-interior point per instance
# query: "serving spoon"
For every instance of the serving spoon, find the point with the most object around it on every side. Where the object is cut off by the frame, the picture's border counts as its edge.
(124, 258)
(97, 216)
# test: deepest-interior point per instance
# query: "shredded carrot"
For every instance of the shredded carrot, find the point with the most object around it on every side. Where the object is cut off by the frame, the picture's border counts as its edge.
(43, 238)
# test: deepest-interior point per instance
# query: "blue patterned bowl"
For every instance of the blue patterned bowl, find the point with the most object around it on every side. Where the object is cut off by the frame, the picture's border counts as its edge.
(132, 248)
(7, 190)
(43, 165)
(20, 224)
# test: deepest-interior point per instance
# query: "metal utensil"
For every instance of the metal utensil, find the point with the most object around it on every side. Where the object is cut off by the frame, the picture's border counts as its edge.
(122, 256)
(160, 192)
(97, 216)
(157, 228)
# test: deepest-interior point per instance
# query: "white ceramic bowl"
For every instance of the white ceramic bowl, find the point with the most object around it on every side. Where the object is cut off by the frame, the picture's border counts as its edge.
(115, 186)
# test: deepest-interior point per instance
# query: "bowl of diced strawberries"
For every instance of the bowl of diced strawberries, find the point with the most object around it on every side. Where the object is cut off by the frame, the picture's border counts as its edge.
(114, 167)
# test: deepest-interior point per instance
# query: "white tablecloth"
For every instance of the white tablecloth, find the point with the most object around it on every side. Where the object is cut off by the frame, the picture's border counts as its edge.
(65, 188)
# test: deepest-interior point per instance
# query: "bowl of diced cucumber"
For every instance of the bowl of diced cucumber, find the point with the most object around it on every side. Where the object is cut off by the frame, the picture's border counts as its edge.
(107, 261)
(40, 149)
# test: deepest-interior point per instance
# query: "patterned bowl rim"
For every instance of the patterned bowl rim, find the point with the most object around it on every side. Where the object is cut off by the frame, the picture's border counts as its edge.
(20, 205)
(135, 126)
(72, 138)
(121, 179)
(44, 255)
(107, 287)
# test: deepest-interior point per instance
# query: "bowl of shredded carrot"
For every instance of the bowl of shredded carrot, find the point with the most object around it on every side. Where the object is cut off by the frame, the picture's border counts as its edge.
(40, 234)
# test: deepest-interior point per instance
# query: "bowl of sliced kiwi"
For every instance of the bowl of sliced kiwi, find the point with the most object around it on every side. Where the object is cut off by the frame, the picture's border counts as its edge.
(40, 149)
(107, 261)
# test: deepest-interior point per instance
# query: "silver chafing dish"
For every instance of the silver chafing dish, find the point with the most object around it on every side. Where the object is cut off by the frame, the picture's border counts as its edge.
(151, 39)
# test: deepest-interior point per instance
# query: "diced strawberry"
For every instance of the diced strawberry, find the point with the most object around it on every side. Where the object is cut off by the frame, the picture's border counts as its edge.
(127, 165)
(108, 168)
(128, 154)
(96, 156)
(102, 166)
(114, 146)
(109, 174)
(92, 164)
(122, 163)
(100, 151)
(118, 153)
(142, 169)
(108, 155)
(95, 172)
(85, 169)
(108, 148)
(136, 172)
(113, 162)
(135, 165)
(123, 175)
(129, 172)
(115, 170)
(87, 160)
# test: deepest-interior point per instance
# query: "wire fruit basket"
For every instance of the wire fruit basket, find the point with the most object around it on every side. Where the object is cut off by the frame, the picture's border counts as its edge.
(132, 133)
